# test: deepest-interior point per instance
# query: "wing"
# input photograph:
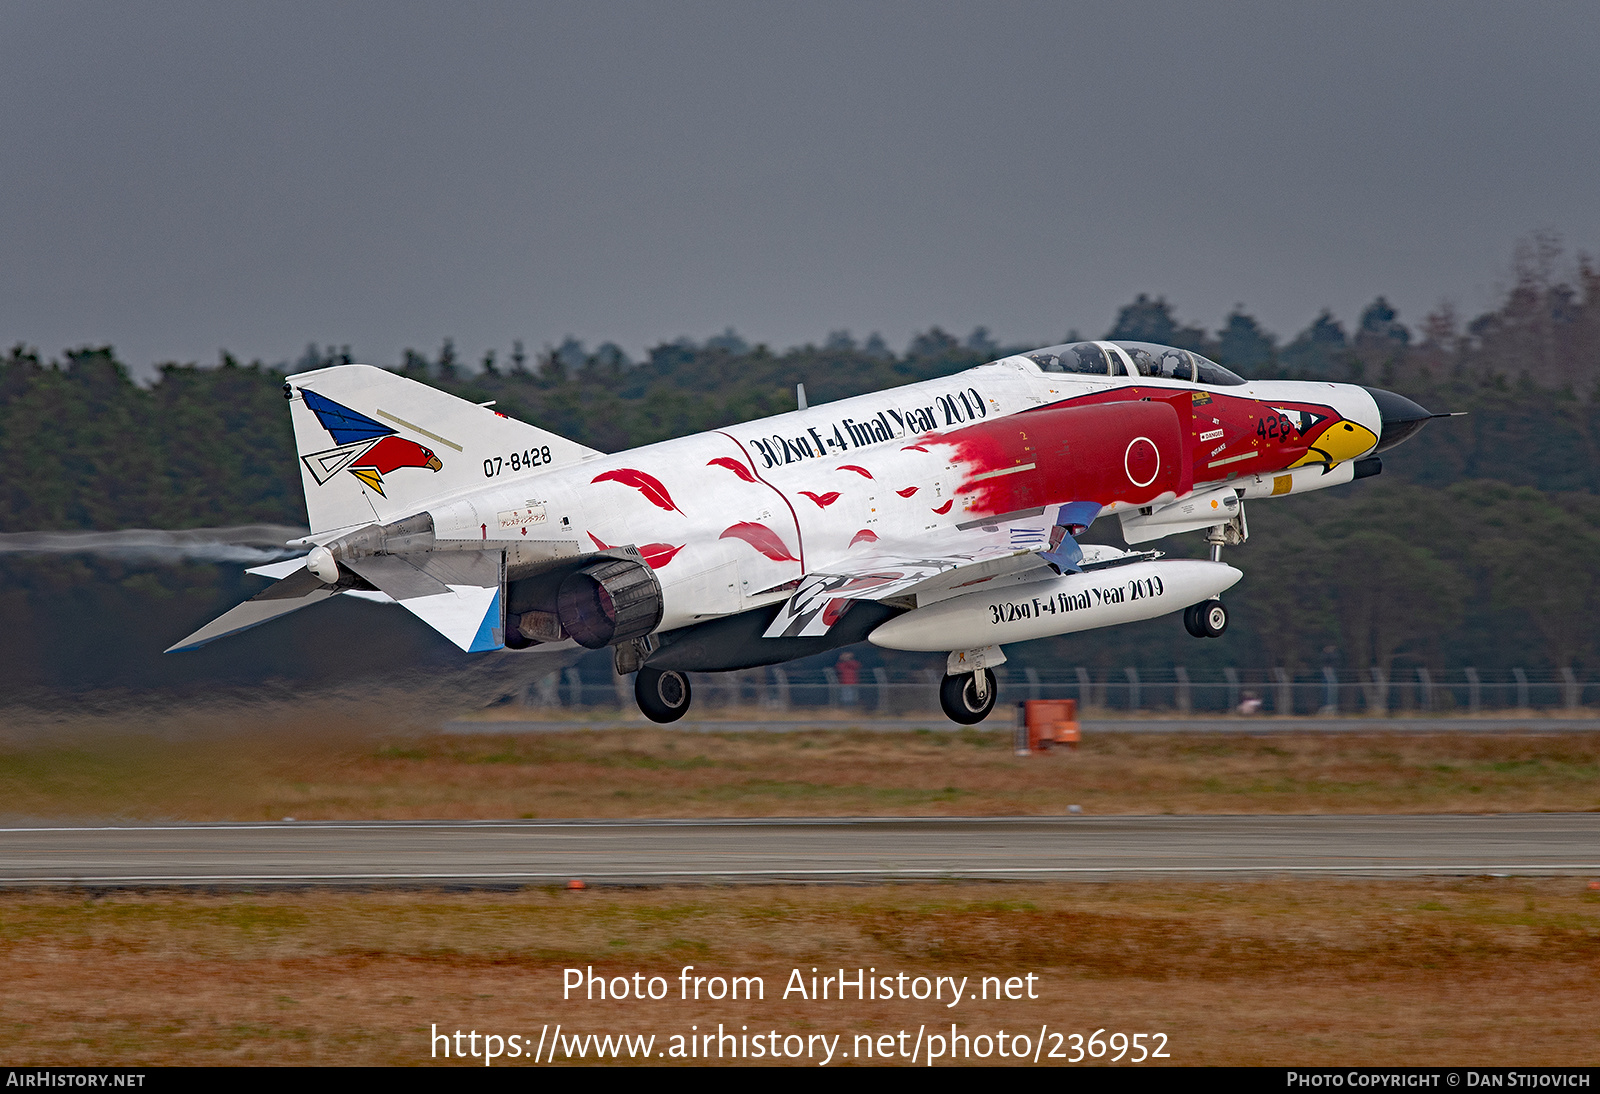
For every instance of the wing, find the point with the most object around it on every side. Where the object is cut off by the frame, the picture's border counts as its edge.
(935, 569)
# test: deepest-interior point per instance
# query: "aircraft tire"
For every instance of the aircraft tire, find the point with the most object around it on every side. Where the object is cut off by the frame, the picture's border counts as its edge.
(1213, 618)
(1191, 621)
(958, 695)
(663, 694)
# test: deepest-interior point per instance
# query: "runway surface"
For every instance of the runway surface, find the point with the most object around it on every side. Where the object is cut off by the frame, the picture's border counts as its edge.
(1002, 722)
(678, 852)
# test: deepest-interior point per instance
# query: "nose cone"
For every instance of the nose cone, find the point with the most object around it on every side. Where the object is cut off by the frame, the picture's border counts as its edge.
(1401, 418)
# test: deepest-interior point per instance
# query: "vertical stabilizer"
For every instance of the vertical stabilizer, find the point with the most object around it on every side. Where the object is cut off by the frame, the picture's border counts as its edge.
(374, 447)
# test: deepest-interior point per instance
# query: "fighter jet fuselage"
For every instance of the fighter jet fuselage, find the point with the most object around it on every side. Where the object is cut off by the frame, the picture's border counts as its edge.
(941, 515)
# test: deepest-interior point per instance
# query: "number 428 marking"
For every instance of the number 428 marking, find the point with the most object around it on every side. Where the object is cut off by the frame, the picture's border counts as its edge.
(517, 461)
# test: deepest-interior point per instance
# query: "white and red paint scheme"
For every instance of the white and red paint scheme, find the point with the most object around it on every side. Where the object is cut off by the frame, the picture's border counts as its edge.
(772, 539)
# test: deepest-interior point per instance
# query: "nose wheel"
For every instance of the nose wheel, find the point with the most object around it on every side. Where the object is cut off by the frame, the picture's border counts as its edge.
(1206, 620)
(968, 697)
(662, 694)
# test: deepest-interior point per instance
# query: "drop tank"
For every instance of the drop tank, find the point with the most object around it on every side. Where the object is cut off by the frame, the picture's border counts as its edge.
(1060, 605)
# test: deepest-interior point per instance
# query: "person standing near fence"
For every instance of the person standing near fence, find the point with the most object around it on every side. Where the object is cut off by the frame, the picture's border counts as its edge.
(849, 670)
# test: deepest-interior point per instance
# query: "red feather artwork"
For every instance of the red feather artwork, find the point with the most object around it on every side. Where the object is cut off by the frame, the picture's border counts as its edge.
(762, 538)
(862, 471)
(822, 500)
(648, 485)
(656, 555)
(732, 465)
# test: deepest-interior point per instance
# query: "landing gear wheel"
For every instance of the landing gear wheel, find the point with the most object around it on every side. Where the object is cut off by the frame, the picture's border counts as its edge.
(1191, 621)
(958, 695)
(1213, 618)
(663, 694)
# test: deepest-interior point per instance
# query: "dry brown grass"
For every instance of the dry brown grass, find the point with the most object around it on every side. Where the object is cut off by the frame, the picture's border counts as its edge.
(354, 763)
(1333, 972)
(1486, 971)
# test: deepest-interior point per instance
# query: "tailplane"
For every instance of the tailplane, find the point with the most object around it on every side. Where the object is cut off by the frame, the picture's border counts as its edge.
(375, 447)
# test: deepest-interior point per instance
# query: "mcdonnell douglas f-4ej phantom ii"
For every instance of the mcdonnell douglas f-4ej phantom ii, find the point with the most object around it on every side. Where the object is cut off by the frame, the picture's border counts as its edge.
(941, 516)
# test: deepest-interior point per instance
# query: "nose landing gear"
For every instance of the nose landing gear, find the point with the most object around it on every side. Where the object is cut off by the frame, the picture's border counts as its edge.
(1209, 619)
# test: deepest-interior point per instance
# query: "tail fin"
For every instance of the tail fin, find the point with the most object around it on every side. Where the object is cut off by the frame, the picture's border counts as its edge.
(375, 447)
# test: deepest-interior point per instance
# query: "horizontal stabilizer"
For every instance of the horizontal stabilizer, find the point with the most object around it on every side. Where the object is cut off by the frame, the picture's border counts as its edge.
(280, 570)
(277, 571)
(457, 593)
(299, 590)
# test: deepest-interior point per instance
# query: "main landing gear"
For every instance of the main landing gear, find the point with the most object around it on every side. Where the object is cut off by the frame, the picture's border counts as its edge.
(1206, 620)
(968, 697)
(663, 694)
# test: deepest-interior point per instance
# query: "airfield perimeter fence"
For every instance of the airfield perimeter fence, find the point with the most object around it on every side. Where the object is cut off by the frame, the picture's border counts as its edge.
(1131, 690)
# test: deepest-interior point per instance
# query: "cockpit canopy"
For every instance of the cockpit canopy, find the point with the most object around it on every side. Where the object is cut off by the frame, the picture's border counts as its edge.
(1133, 359)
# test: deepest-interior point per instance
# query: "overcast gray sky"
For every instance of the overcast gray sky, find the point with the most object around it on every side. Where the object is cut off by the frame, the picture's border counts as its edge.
(177, 178)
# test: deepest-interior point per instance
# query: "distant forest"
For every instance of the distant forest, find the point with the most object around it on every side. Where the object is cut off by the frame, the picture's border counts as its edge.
(1479, 544)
